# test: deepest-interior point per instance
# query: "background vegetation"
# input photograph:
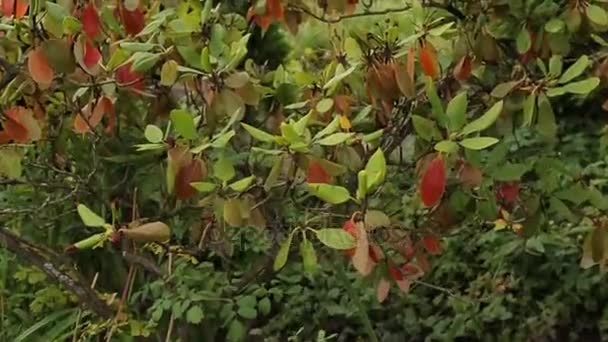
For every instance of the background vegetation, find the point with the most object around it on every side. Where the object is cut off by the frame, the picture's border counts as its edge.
(303, 170)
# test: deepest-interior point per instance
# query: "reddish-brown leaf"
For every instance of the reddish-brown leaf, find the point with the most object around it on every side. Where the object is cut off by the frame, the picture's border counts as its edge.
(508, 192)
(433, 182)
(470, 175)
(134, 21)
(428, 60)
(20, 126)
(128, 78)
(394, 271)
(91, 55)
(39, 68)
(431, 244)
(316, 173)
(462, 70)
(274, 9)
(422, 262)
(349, 227)
(193, 172)
(375, 253)
(91, 24)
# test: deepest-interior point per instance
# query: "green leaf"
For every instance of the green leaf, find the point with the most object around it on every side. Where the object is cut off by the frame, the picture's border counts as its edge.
(478, 143)
(89, 218)
(582, 87)
(555, 65)
(324, 105)
(575, 69)
(329, 193)
(339, 77)
(329, 129)
(184, 123)
(10, 162)
(281, 258)
(509, 172)
(484, 121)
(529, 110)
(546, 124)
(223, 169)
(236, 331)
(336, 238)
(447, 146)
(258, 134)
(503, 89)
(425, 128)
(153, 134)
(194, 315)
(553, 92)
(203, 186)
(457, 111)
(436, 106)
(375, 169)
(290, 134)
(335, 139)
(143, 61)
(264, 306)
(242, 184)
(523, 42)
(247, 312)
(597, 15)
(555, 25)
(309, 256)
(575, 194)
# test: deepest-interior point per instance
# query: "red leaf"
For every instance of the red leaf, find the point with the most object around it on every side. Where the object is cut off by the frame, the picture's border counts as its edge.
(433, 182)
(193, 172)
(274, 9)
(431, 244)
(91, 24)
(134, 21)
(126, 77)
(15, 7)
(91, 55)
(428, 60)
(462, 70)
(375, 253)
(508, 192)
(14, 128)
(39, 68)
(394, 272)
(316, 173)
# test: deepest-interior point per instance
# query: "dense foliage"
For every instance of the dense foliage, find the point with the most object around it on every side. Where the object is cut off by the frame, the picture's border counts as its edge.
(303, 170)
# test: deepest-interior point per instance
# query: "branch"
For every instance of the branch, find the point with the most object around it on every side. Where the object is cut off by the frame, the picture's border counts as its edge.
(26, 251)
(432, 4)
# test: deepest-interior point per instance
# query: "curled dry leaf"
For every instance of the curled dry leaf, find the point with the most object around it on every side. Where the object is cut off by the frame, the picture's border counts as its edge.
(361, 259)
(88, 119)
(20, 126)
(462, 70)
(91, 24)
(39, 68)
(195, 171)
(149, 232)
(433, 182)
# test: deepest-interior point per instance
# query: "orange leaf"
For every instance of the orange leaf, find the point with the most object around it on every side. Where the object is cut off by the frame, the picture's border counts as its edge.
(193, 172)
(428, 60)
(39, 68)
(87, 120)
(384, 286)
(274, 9)
(91, 24)
(316, 173)
(20, 126)
(462, 70)
(15, 7)
(349, 227)
(433, 182)
(431, 244)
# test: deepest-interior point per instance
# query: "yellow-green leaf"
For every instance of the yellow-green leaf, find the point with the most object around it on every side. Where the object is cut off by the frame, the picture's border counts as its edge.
(329, 193)
(336, 238)
(88, 217)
